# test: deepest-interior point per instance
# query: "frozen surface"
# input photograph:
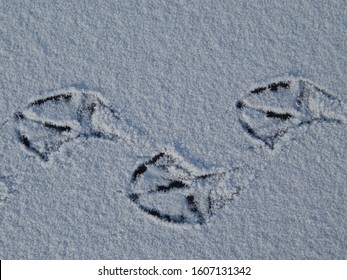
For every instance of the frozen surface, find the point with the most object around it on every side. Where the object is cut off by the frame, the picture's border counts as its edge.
(173, 130)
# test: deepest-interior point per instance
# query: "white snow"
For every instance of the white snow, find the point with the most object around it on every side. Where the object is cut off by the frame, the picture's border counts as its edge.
(162, 151)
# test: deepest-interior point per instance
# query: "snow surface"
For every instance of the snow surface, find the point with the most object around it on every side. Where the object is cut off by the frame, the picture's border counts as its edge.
(173, 130)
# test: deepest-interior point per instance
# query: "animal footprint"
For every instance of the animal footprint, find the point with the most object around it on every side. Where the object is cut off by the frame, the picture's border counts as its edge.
(169, 189)
(48, 123)
(268, 112)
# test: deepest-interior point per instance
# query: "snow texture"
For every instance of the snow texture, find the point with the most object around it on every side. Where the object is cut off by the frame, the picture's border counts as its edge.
(173, 130)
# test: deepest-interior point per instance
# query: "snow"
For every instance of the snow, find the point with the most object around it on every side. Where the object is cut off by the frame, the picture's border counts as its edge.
(165, 89)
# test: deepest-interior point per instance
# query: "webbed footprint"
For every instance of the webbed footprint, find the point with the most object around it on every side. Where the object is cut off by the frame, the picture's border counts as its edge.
(268, 112)
(169, 189)
(46, 124)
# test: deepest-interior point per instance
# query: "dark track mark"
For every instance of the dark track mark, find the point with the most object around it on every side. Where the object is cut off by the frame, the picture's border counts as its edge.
(299, 102)
(172, 185)
(250, 130)
(134, 197)
(19, 116)
(205, 176)
(258, 90)
(179, 184)
(156, 158)
(57, 127)
(143, 168)
(281, 116)
(192, 204)
(55, 98)
(156, 213)
(25, 141)
(140, 170)
(240, 105)
(98, 134)
(177, 219)
(268, 141)
(306, 102)
(275, 86)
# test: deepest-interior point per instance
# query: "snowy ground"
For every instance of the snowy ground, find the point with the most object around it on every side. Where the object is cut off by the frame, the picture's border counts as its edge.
(173, 130)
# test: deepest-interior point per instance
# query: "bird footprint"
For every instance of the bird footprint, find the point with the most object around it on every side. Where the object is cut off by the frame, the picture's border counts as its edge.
(268, 112)
(46, 124)
(167, 188)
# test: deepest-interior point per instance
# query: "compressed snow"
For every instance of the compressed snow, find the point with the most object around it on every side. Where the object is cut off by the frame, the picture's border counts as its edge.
(173, 130)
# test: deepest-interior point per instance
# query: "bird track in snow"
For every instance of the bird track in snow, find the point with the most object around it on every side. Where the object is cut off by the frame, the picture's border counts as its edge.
(168, 188)
(165, 187)
(47, 123)
(268, 112)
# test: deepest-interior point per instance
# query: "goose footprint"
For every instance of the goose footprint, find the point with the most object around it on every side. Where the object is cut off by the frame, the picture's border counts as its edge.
(169, 189)
(268, 112)
(46, 124)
